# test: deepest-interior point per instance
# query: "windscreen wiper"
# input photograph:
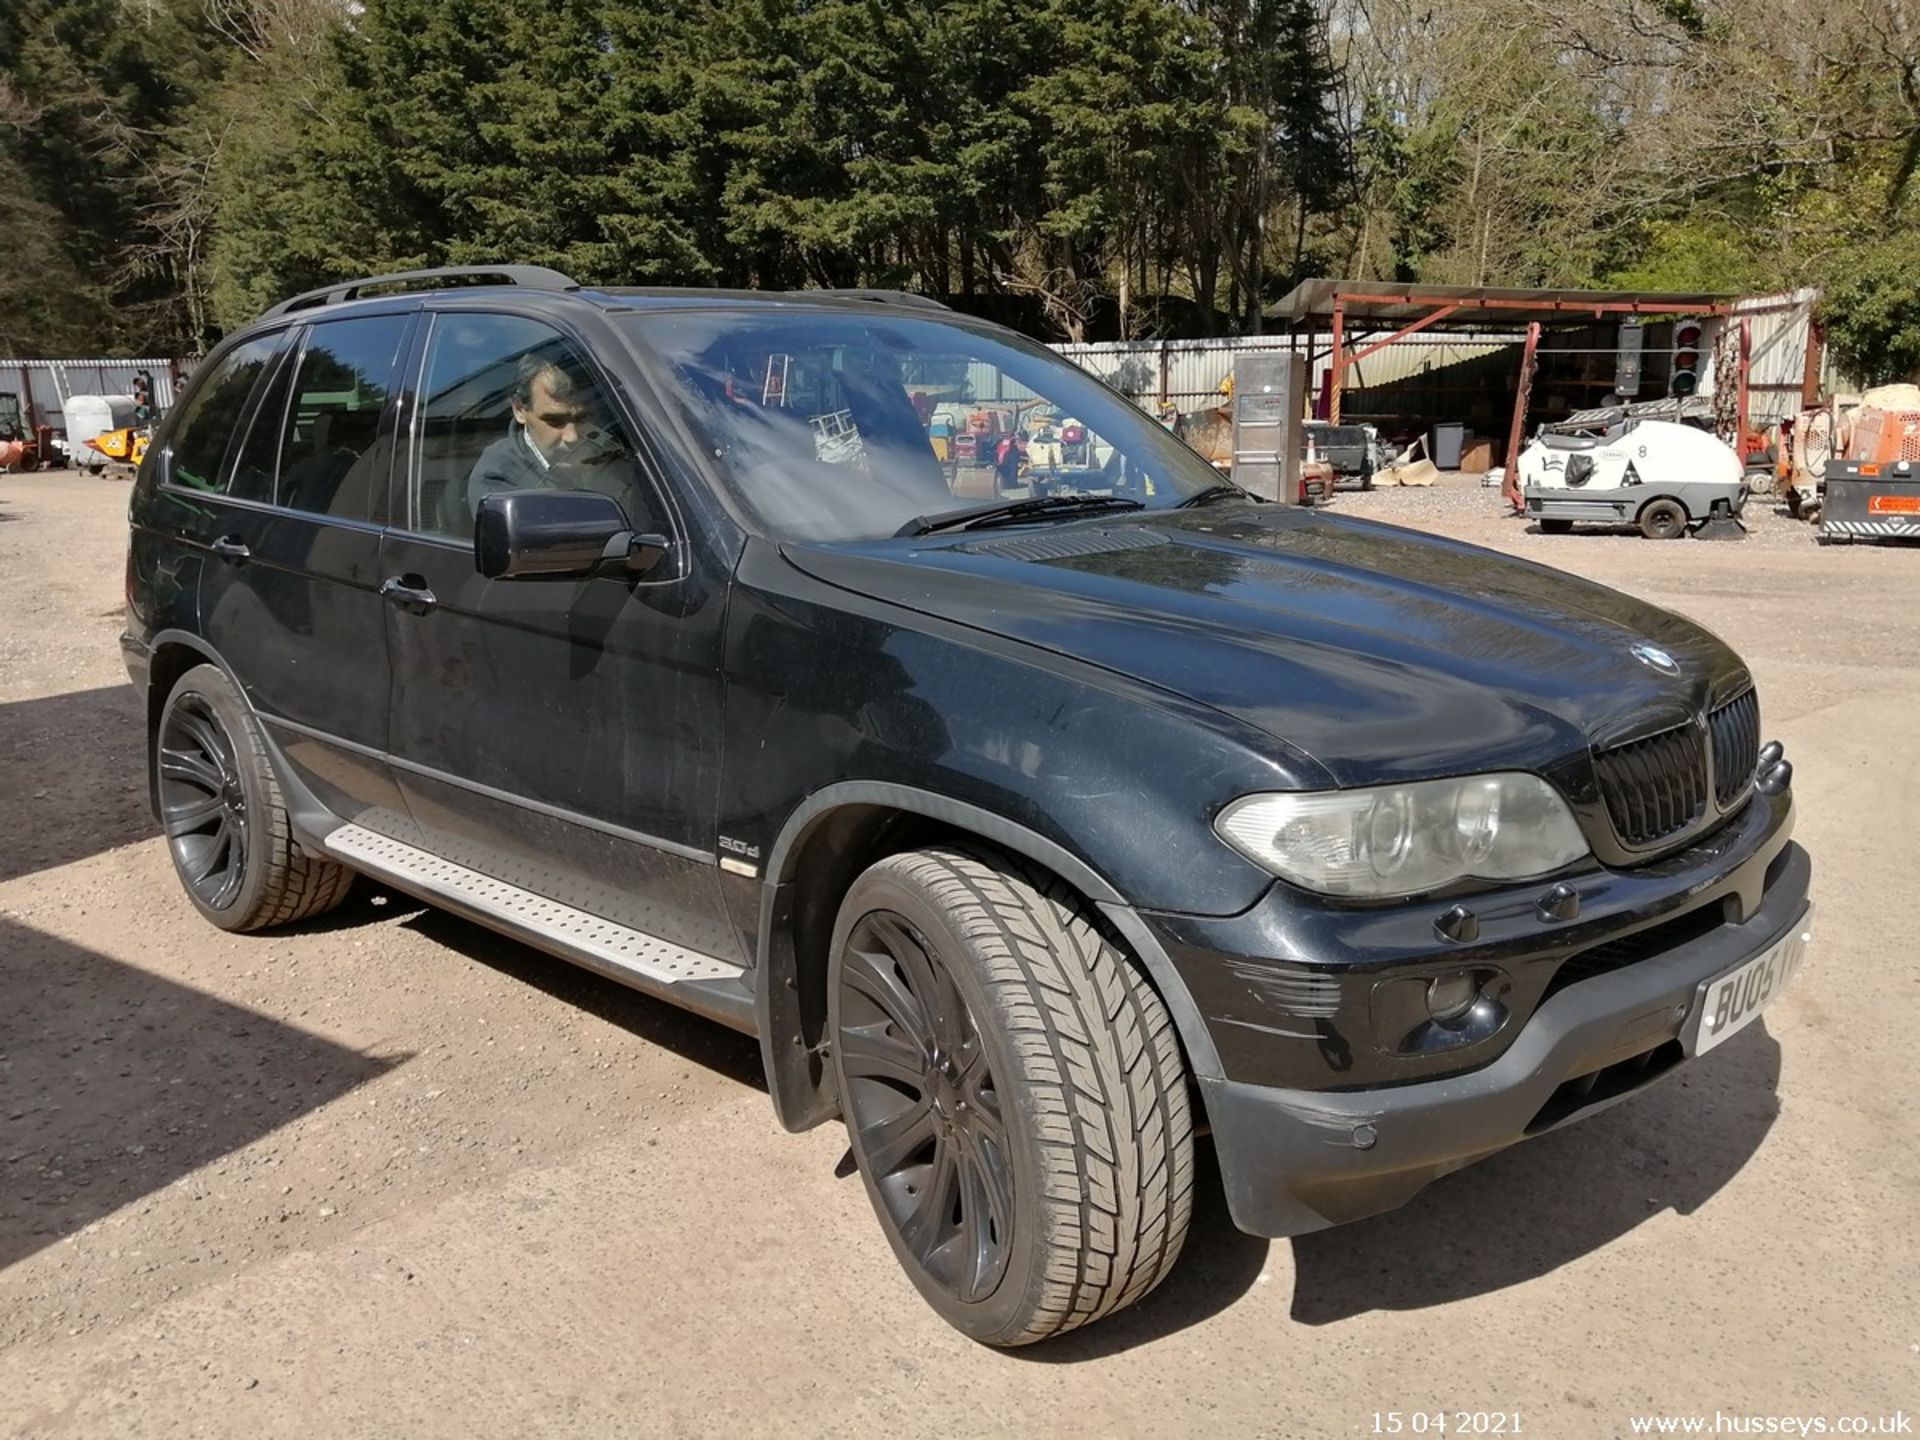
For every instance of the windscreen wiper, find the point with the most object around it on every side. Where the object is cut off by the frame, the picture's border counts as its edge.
(1014, 511)
(1213, 493)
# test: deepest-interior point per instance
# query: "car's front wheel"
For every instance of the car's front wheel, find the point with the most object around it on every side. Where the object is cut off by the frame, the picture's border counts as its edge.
(221, 809)
(1014, 1093)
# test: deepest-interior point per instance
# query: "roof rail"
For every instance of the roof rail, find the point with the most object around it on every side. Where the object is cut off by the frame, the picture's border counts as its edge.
(882, 297)
(527, 277)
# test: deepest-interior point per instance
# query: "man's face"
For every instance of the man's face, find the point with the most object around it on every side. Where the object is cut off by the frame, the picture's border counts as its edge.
(552, 424)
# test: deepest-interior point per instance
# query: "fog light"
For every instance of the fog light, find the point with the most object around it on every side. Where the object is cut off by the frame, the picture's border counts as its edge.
(1421, 1014)
(1450, 996)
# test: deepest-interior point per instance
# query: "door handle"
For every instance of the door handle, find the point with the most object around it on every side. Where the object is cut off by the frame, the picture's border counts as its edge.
(414, 596)
(229, 547)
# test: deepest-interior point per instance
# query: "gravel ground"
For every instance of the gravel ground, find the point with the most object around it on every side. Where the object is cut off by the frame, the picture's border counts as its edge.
(1464, 508)
(390, 1174)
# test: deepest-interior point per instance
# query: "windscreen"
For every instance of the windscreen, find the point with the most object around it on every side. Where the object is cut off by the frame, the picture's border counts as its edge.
(830, 426)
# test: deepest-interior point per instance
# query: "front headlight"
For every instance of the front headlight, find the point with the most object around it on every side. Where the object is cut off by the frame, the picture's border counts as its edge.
(1407, 839)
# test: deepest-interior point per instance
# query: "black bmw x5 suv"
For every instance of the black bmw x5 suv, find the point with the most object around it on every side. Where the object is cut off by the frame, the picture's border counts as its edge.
(872, 681)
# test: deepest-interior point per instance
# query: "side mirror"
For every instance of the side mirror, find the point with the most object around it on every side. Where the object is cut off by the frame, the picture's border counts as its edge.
(559, 535)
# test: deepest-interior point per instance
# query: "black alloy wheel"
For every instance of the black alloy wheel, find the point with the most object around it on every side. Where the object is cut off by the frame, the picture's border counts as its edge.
(1013, 1091)
(225, 820)
(203, 802)
(923, 1107)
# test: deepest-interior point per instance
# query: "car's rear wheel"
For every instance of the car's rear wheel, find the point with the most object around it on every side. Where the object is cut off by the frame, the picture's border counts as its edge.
(1556, 527)
(1663, 520)
(221, 810)
(1014, 1093)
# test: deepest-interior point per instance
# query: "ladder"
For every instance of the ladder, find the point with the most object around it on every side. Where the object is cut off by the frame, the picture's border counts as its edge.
(774, 392)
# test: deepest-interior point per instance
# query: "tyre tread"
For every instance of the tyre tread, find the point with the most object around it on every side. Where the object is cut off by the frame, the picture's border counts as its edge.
(1101, 1062)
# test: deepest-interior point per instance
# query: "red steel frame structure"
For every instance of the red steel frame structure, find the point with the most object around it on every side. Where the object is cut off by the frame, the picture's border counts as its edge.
(1342, 302)
(1446, 305)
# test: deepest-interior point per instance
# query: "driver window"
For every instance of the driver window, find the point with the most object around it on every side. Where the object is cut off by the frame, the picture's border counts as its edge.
(509, 404)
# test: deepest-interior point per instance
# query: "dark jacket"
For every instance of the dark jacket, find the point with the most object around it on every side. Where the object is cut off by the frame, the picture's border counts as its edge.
(510, 464)
(507, 464)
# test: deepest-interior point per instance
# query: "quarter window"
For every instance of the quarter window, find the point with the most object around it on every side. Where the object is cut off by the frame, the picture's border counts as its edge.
(206, 429)
(329, 461)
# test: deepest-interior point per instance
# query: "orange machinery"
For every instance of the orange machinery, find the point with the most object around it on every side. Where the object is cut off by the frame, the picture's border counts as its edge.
(1869, 486)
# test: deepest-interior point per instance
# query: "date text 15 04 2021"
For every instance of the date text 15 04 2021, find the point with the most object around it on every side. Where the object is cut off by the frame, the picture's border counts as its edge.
(1446, 1422)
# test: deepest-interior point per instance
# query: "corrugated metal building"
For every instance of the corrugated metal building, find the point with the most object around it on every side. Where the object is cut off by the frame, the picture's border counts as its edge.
(1471, 374)
(45, 384)
(1783, 341)
(1188, 373)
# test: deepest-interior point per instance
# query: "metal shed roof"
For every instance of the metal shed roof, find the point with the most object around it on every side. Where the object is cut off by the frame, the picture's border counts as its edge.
(1389, 302)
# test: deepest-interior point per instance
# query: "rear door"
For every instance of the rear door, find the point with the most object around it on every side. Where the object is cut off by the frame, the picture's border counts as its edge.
(290, 597)
(560, 735)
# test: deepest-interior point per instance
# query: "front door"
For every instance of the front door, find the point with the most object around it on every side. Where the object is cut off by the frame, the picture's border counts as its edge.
(560, 735)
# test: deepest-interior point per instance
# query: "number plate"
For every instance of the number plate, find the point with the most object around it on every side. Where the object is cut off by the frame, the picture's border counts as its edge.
(1733, 999)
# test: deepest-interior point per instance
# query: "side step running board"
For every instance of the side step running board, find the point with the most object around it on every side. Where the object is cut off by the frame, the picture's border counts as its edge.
(703, 983)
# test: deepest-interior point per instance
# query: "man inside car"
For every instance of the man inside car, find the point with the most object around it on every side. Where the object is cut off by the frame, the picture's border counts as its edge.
(544, 449)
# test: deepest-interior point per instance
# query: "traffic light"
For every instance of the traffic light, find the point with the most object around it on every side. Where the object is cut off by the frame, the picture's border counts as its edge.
(1683, 377)
(1626, 359)
(143, 396)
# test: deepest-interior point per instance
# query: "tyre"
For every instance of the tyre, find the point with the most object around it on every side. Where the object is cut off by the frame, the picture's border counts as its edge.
(1663, 520)
(1555, 527)
(223, 817)
(1013, 1091)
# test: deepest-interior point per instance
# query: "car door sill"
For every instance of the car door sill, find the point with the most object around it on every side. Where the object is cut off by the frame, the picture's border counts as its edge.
(706, 984)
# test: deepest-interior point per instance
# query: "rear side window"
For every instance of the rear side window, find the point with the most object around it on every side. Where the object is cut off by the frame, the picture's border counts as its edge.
(205, 432)
(329, 461)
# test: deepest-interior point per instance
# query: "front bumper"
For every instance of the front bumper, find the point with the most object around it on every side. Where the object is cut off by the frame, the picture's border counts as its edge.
(1305, 993)
(1299, 1160)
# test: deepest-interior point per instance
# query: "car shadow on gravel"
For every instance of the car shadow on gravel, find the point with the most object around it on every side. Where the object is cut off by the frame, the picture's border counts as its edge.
(692, 1037)
(73, 778)
(1529, 1210)
(367, 903)
(114, 1083)
(1591, 529)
